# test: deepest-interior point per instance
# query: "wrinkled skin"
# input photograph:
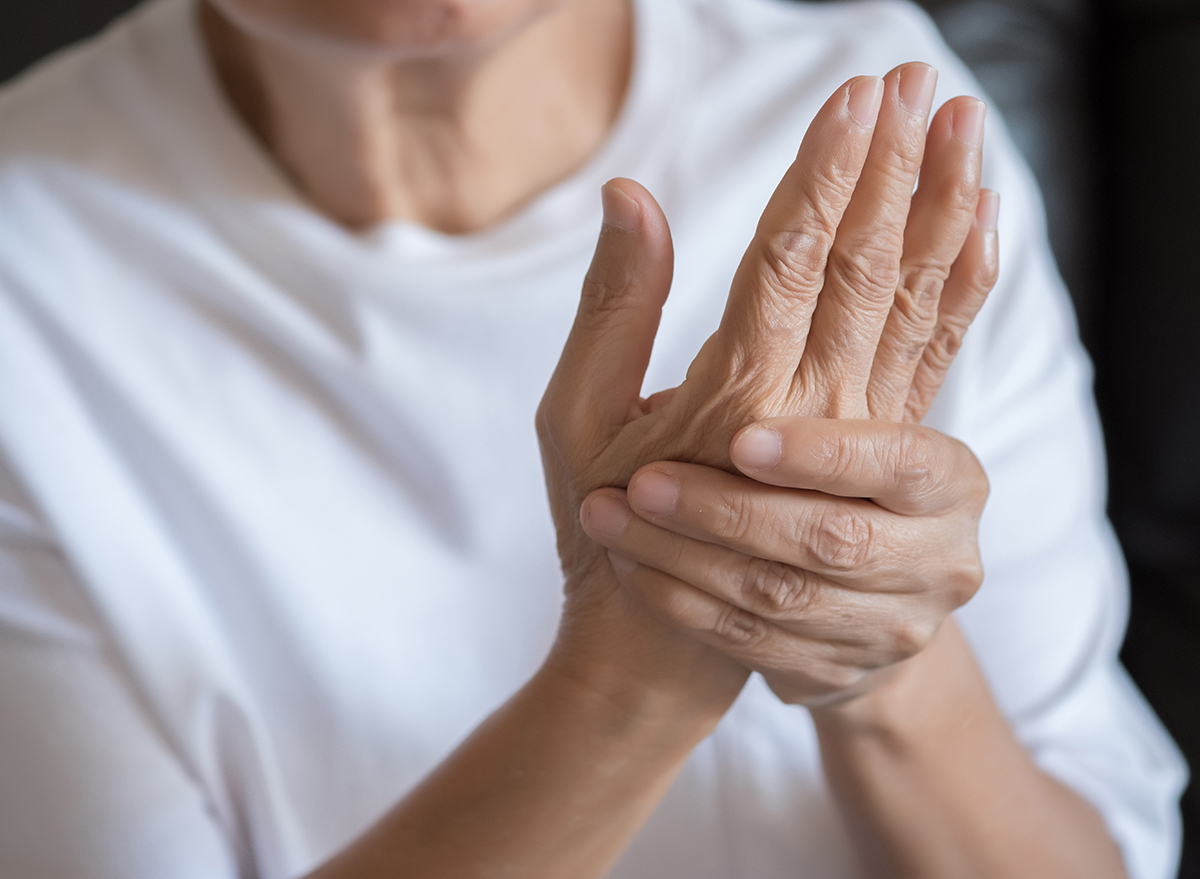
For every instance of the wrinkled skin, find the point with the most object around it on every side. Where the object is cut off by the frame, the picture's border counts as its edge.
(849, 303)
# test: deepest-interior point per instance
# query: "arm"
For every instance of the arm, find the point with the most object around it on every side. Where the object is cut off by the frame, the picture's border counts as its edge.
(934, 783)
(89, 785)
(553, 784)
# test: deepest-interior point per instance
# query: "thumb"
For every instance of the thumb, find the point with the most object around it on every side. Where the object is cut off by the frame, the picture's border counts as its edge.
(599, 376)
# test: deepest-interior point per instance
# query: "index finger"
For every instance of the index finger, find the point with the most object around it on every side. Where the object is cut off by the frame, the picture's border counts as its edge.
(905, 468)
(775, 288)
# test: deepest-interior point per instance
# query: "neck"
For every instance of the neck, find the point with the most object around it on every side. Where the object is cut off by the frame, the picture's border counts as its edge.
(453, 143)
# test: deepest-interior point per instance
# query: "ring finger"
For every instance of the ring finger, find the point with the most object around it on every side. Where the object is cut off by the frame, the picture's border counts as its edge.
(941, 215)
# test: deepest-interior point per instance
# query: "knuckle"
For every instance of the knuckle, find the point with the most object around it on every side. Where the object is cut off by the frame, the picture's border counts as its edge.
(793, 263)
(918, 293)
(826, 191)
(944, 345)
(604, 298)
(777, 589)
(961, 195)
(871, 269)
(736, 519)
(739, 627)
(901, 166)
(913, 460)
(956, 195)
(839, 455)
(965, 580)
(908, 637)
(597, 288)
(840, 539)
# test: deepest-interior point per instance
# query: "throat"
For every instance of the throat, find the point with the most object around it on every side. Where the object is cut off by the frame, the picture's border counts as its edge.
(457, 142)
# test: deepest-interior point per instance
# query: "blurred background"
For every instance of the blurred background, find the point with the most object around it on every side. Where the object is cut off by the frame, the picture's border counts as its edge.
(1103, 96)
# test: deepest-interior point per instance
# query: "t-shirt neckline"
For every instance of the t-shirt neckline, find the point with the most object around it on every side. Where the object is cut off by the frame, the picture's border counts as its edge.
(551, 220)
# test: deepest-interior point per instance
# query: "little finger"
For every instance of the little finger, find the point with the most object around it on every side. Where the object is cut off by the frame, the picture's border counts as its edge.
(811, 668)
(971, 279)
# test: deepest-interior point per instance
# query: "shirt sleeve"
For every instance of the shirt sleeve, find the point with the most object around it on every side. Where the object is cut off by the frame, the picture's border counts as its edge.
(1048, 622)
(88, 787)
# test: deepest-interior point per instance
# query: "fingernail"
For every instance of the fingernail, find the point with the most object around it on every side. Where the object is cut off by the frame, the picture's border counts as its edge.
(619, 209)
(654, 492)
(863, 103)
(987, 212)
(968, 123)
(917, 83)
(605, 516)
(622, 564)
(757, 448)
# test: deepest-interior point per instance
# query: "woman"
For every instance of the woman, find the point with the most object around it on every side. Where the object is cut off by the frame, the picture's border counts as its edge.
(282, 284)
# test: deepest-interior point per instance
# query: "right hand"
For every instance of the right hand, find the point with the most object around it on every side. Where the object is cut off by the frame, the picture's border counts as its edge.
(840, 308)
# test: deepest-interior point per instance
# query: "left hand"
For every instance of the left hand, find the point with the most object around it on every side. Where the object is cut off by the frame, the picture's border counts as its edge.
(827, 563)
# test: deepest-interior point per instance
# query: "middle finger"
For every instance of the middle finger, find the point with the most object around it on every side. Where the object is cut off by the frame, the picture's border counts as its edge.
(864, 262)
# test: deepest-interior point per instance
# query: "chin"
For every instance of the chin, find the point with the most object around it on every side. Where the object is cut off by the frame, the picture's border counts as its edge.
(403, 27)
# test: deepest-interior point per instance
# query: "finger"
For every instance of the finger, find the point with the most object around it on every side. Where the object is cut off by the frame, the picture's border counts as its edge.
(797, 600)
(904, 468)
(848, 540)
(812, 667)
(971, 278)
(776, 285)
(864, 261)
(939, 219)
(599, 376)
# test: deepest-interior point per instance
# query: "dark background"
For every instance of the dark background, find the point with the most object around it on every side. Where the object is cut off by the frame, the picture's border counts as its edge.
(1103, 96)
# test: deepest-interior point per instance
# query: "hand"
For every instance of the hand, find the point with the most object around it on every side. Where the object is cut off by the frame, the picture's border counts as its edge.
(840, 555)
(849, 302)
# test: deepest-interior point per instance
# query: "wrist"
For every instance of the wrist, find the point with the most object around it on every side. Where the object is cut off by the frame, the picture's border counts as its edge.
(619, 709)
(627, 668)
(930, 690)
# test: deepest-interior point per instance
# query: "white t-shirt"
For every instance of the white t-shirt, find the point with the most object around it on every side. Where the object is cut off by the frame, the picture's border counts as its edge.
(273, 532)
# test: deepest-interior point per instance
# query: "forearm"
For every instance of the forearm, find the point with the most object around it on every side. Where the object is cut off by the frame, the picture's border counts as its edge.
(934, 783)
(555, 783)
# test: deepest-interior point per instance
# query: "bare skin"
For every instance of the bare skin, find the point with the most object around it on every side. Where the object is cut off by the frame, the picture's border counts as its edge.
(842, 320)
(454, 139)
